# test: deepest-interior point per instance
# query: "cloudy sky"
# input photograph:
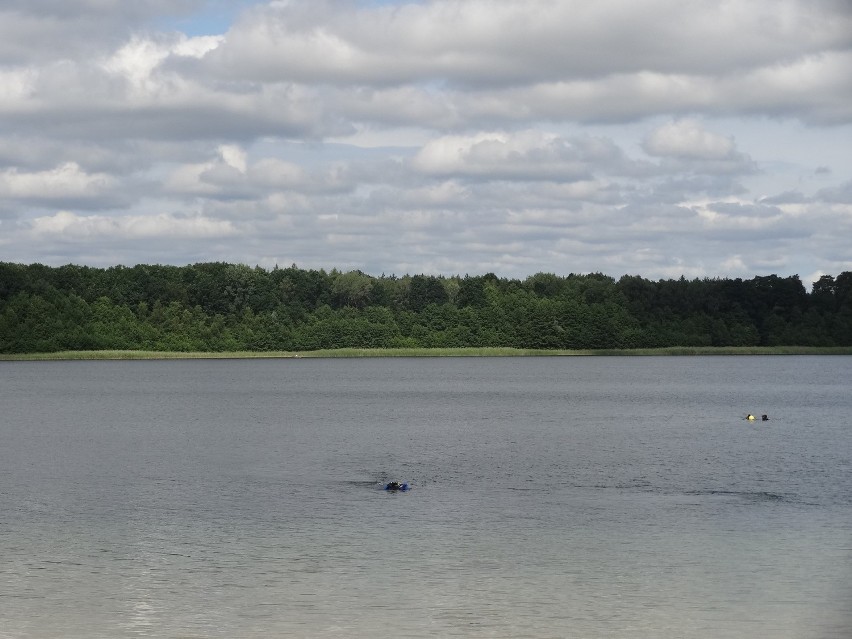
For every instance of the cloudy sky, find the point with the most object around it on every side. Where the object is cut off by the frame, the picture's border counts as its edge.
(655, 137)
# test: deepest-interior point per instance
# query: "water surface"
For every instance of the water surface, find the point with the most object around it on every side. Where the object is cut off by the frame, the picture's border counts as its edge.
(553, 497)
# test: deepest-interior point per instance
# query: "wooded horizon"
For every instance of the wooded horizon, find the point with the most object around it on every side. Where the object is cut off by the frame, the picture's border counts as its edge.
(219, 306)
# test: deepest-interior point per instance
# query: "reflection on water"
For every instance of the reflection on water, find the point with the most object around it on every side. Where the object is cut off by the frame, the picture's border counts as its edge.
(577, 497)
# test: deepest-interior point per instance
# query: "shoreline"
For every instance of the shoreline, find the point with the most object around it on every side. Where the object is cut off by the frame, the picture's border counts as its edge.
(429, 352)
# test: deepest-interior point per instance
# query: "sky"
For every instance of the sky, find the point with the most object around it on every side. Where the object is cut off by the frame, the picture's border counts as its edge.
(661, 138)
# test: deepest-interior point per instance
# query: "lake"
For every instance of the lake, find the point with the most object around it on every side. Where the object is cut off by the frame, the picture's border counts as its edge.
(552, 497)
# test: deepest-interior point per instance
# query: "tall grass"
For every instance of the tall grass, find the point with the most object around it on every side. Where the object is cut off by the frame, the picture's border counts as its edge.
(431, 352)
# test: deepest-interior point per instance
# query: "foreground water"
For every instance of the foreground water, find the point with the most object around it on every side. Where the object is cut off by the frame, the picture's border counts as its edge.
(557, 497)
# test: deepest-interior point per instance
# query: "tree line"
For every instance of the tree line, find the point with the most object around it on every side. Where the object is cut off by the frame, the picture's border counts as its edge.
(234, 307)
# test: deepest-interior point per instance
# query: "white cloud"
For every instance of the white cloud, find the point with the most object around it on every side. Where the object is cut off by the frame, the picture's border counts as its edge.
(659, 137)
(234, 156)
(71, 226)
(64, 181)
(479, 42)
(137, 61)
(188, 179)
(37, 31)
(525, 155)
(687, 139)
(16, 85)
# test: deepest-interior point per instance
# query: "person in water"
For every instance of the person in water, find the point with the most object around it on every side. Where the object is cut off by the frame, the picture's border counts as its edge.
(764, 418)
(750, 417)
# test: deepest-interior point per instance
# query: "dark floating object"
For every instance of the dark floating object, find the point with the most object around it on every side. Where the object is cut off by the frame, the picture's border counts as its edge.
(396, 486)
(751, 418)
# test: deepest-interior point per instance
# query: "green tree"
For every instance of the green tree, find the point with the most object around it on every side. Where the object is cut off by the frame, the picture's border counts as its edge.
(351, 289)
(424, 290)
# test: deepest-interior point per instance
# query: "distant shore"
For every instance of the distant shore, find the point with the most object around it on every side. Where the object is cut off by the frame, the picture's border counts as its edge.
(429, 352)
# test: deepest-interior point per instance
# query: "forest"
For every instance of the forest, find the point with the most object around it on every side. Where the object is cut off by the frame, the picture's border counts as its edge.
(222, 307)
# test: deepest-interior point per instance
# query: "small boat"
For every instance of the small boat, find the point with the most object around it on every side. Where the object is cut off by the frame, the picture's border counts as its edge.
(397, 486)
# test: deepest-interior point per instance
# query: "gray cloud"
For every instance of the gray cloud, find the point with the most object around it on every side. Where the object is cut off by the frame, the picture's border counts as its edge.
(440, 136)
(37, 31)
(478, 43)
(841, 194)
(788, 197)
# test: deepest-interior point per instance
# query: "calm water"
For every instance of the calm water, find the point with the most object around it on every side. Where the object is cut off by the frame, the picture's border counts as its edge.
(553, 497)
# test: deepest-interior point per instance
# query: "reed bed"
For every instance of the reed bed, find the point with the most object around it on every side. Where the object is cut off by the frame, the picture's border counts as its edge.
(429, 352)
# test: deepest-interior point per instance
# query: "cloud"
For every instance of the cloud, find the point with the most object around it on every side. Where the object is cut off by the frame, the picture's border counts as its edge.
(603, 61)
(841, 194)
(231, 174)
(37, 31)
(661, 137)
(686, 139)
(234, 157)
(788, 197)
(136, 62)
(66, 182)
(686, 146)
(529, 155)
(479, 43)
(73, 227)
(322, 69)
(133, 92)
